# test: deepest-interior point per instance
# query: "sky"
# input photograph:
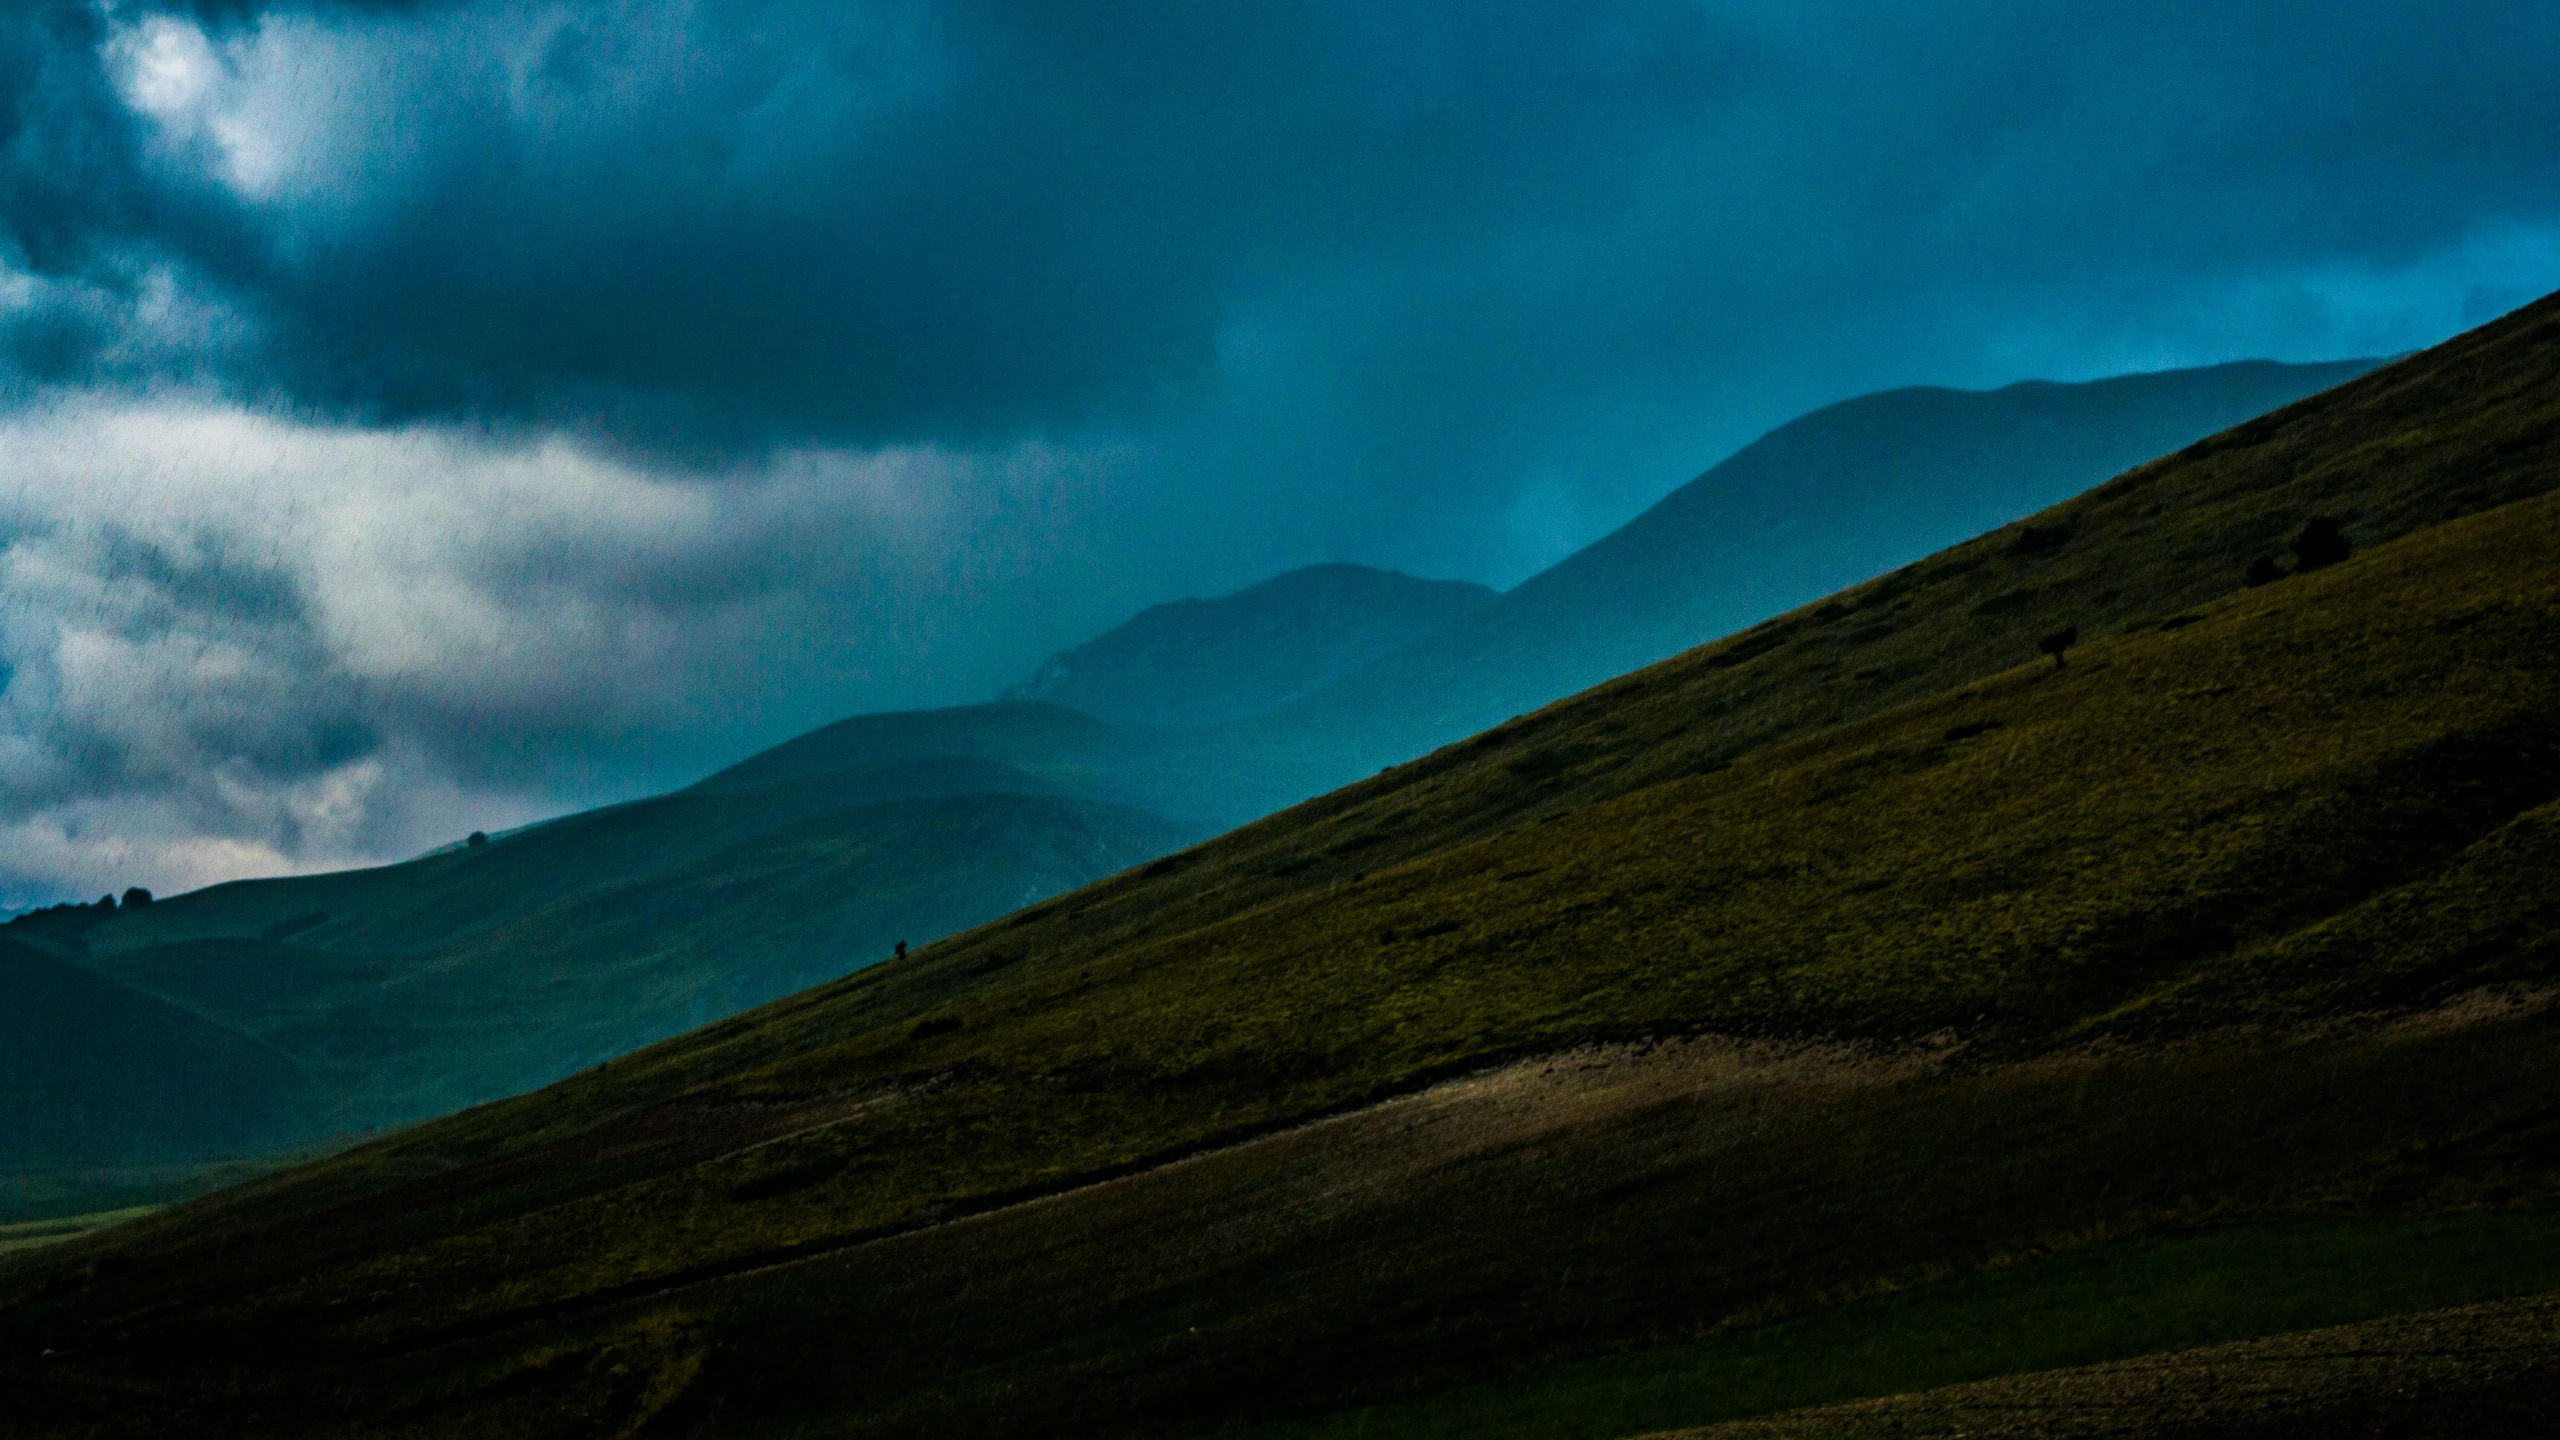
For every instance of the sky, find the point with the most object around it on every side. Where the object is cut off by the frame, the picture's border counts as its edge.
(420, 417)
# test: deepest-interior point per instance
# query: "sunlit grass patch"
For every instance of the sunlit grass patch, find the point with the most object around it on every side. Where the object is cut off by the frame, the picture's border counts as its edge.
(27, 1235)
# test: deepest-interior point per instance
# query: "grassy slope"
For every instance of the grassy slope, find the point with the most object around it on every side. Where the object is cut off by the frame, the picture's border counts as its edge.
(414, 989)
(92, 1071)
(2479, 1372)
(2135, 818)
(607, 966)
(2137, 1298)
(2177, 808)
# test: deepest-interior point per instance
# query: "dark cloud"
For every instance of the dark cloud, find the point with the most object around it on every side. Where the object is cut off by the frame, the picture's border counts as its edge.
(952, 220)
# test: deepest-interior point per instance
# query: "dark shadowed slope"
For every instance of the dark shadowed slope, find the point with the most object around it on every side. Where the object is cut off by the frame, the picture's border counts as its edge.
(1824, 501)
(91, 1071)
(2483, 1372)
(1879, 868)
(1201, 662)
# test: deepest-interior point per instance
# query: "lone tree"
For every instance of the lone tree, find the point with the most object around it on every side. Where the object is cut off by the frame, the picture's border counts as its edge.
(2322, 543)
(902, 949)
(476, 839)
(136, 897)
(2057, 642)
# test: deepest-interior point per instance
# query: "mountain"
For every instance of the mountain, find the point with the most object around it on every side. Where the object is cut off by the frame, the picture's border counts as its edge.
(605, 968)
(483, 970)
(1843, 493)
(477, 971)
(91, 1071)
(1201, 662)
(2054, 950)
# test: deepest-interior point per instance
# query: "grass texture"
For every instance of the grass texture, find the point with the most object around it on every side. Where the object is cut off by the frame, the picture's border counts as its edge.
(2134, 1299)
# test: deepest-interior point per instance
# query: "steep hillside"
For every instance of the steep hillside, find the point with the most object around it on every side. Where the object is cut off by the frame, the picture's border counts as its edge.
(1202, 662)
(1825, 501)
(1929, 956)
(92, 1071)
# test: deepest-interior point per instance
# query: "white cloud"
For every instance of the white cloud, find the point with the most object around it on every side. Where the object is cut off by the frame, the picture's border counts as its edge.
(168, 69)
(239, 644)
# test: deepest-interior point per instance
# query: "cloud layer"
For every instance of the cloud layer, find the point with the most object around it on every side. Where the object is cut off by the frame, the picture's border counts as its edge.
(424, 413)
(245, 645)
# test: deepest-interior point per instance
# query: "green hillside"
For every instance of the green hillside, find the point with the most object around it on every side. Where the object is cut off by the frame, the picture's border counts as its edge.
(606, 967)
(1858, 954)
(413, 907)
(92, 1072)
(413, 990)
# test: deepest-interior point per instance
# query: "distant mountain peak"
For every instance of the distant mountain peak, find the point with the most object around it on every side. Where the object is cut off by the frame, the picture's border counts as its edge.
(1202, 662)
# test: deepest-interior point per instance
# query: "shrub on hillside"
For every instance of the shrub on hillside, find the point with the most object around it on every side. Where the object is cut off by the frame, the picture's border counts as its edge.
(2057, 642)
(2322, 543)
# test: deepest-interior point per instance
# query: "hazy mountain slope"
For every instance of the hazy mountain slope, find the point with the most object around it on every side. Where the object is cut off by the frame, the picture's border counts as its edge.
(92, 1071)
(1055, 745)
(1201, 662)
(479, 971)
(1843, 493)
(412, 907)
(607, 967)
(414, 989)
(1881, 822)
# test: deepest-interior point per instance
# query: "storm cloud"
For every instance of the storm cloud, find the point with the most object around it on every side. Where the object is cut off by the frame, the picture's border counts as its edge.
(423, 415)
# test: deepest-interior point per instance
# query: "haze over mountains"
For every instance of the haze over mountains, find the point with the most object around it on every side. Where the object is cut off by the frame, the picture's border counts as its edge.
(1846, 492)
(410, 990)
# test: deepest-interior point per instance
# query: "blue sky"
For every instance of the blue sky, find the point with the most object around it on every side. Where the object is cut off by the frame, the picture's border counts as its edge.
(417, 417)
